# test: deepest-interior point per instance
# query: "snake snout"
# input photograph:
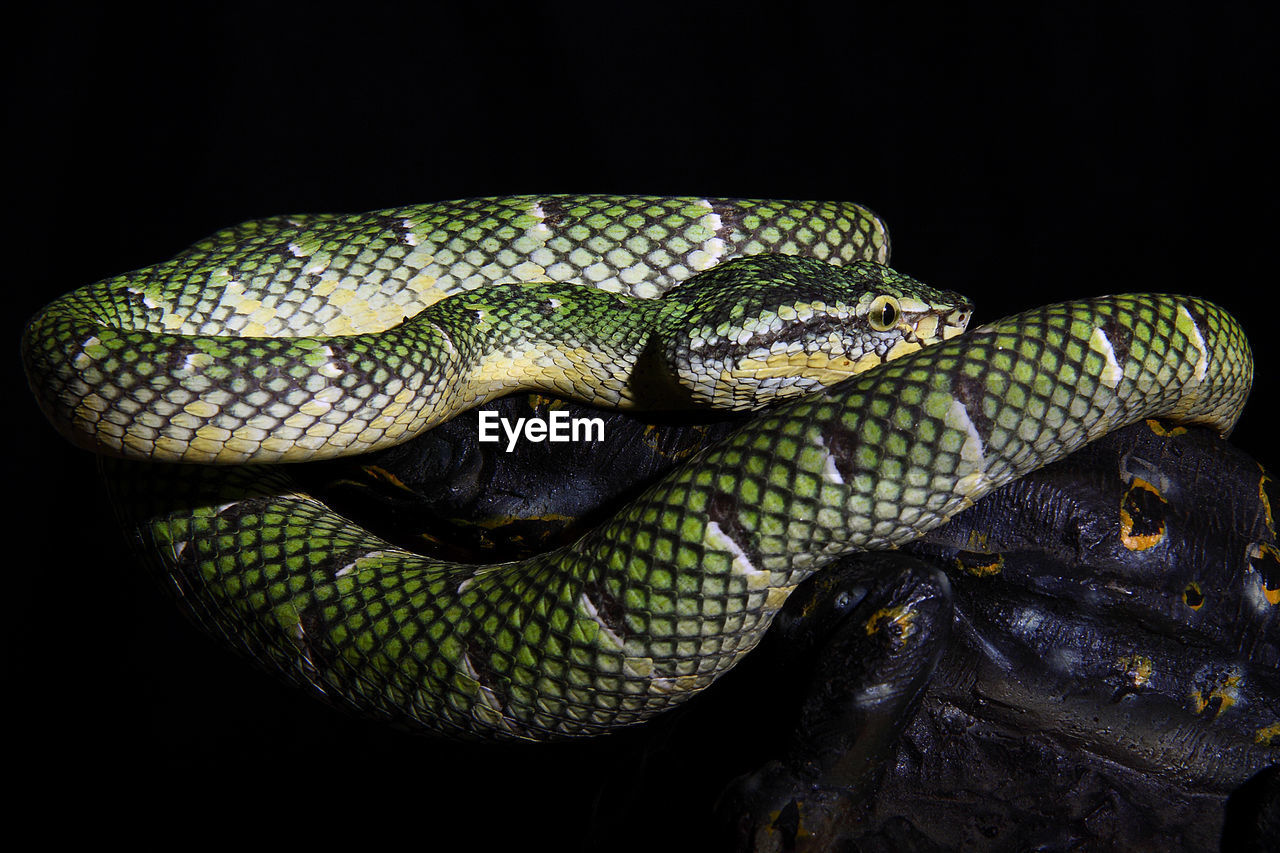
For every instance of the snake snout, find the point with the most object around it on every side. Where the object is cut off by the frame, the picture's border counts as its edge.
(956, 321)
(924, 324)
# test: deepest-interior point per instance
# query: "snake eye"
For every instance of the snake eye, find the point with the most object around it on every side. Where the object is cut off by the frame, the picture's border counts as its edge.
(884, 313)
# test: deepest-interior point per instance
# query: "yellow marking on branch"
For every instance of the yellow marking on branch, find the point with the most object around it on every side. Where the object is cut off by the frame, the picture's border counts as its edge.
(980, 568)
(900, 619)
(1266, 501)
(1137, 668)
(1134, 534)
(1166, 431)
(1226, 692)
(1265, 551)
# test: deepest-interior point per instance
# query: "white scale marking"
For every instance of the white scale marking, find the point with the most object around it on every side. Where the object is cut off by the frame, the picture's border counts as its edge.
(958, 418)
(487, 700)
(354, 565)
(1197, 341)
(309, 668)
(1101, 344)
(539, 230)
(480, 571)
(830, 472)
(191, 361)
(409, 237)
(972, 451)
(146, 299)
(329, 369)
(91, 341)
(594, 615)
(741, 565)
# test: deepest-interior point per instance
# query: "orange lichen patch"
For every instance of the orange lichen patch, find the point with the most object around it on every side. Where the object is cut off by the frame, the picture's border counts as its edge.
(432, 540)
(655, 438)
(1268, 735)
(1220, 697)
(978, 541)
(1264, 561)
(541, 402)
(1141, 516)
(1263, 482)
(1163, 429)
(826, 587)
(899, 620)
(787, 824)
(979, 565)
(498, 522)
(1137, 669)
(385, 476)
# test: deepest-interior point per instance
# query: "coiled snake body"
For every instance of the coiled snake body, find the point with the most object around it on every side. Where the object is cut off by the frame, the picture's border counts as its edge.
(655, 604)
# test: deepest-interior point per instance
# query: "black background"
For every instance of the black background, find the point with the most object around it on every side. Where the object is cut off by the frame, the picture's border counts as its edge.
(1020, 156)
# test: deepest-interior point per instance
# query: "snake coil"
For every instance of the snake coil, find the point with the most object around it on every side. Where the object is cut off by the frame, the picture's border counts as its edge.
(658, 602)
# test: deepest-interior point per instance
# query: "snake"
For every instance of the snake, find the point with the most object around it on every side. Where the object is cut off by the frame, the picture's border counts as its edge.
(266, 340)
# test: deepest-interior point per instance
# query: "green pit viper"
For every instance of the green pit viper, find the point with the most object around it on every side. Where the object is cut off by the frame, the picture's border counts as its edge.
(304, 337)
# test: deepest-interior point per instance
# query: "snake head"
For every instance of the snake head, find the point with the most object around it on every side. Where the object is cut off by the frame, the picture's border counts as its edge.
(764, 328)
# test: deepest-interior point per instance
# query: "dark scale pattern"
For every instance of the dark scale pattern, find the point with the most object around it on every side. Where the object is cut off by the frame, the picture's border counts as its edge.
(694, 570)
(659, 240)
(464, 245)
